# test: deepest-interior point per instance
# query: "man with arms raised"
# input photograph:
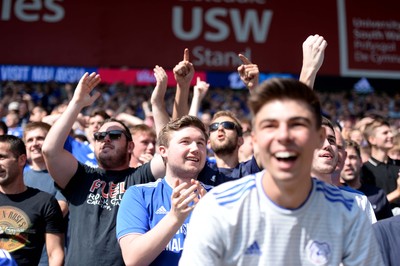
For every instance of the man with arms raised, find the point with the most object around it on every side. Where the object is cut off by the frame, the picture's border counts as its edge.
(94, 194)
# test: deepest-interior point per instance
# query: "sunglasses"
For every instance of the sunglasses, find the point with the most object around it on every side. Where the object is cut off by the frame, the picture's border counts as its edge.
(226, 124)
(112, 134)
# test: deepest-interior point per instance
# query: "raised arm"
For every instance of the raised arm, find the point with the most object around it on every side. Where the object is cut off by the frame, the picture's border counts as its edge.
(248, 73)
(313, 57)
(183, 73)
(160, 113)
(199, 92)
(61, 164)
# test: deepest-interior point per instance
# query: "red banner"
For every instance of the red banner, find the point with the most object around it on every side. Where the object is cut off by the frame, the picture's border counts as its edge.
(142, 34)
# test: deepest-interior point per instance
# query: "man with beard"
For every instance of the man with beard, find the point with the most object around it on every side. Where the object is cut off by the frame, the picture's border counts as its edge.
(29, 217)
(226, 137)
(94, 194)
(324, 164)
(351, 175)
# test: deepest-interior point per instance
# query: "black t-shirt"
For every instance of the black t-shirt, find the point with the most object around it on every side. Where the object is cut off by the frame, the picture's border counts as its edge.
(24, 220)
(382, 175)
(94, 196)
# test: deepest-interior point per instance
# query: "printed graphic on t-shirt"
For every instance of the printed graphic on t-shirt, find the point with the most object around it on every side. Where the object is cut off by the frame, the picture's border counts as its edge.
(14, 224)
(106, 195)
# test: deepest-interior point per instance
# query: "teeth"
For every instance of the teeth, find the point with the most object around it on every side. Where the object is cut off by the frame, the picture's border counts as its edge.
(284, 154)
(193, 159)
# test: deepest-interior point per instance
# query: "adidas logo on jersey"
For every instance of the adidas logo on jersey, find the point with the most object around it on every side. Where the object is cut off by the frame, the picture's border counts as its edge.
(161, 210)
(254, 249)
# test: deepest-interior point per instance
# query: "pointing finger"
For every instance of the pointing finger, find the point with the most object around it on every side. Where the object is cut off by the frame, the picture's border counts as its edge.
(244, 59)
(186, 55)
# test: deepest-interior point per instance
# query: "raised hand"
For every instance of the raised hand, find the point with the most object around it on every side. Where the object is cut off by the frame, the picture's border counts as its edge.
(161, 85)
(87, 83)
(184, 198)
(314, 51)
(248, 73)
(184, 70)
(200, 89)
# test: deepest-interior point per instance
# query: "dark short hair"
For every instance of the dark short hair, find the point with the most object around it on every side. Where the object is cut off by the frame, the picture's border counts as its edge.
(177, 124)
(4, 127)
(99, 112)
(17, 146)
(354, 145)
(128, 133)
(285, 88)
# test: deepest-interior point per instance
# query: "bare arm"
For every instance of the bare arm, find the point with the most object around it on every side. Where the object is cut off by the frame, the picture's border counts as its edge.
(129, 120)
(313, 57)
(149, 245)
(183, 73)
(199, 92)
(61, 164)
(248, 73)
(64, 207)
(55, 248)
(160, 114)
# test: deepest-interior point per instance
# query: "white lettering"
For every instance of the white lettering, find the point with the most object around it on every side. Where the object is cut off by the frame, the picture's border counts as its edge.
(20, 73)
(242, 28)
(206, 57)
(68, 74)
(30, 11)
(42, 74)
(58, 11)
(250, 26)
(222, 30)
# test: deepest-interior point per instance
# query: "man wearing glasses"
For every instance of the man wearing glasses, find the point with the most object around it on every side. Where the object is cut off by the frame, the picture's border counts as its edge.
(94, 194)
(226, 137)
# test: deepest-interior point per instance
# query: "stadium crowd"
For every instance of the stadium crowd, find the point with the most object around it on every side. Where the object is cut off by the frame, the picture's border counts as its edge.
(164, 149)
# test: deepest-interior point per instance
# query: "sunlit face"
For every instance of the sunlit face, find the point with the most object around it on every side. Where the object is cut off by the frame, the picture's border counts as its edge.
(113, 154)
(224, 141)
(10, 166)
(383, 138)
(186, 154)
(33, 141)
(145, 143)
(94, 125)
(326, 158)
(341, 150)
(285, 137)
(352, 165)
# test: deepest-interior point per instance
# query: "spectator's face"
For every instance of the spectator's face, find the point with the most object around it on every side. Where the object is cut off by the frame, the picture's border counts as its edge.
(37, 115)
(383, 138)
(352, 166)
(356, 136)
(10, 167)
(144, 144)
(33, 141)
(285, 137)
(186, 154)
(326, 159)
(224, 141)
(341, 150)
(94, 125)
(113, 154)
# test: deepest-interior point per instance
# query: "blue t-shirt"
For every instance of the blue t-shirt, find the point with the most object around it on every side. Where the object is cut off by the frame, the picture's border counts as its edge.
(142, 208)
(81, 151)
